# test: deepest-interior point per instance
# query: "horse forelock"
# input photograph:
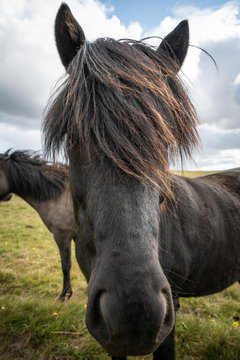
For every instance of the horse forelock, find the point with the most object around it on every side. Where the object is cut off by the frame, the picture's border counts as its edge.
(29, 175)
(123, 102)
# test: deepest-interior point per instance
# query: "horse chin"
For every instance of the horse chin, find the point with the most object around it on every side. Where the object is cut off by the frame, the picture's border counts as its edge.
(131, 351)
(137, 348)
(140, 348)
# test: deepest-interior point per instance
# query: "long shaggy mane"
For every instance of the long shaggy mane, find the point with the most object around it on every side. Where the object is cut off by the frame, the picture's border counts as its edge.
(29, 175)
(123, 103)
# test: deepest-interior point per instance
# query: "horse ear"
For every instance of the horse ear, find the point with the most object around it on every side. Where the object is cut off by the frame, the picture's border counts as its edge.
(176, 43)
(68, 33)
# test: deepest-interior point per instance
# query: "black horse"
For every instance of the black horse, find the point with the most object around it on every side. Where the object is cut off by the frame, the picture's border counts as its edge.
(45, 187)
(146, 237)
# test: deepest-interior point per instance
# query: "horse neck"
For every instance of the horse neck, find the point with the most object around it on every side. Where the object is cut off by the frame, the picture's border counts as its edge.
(55, 212)
(43, 208)
(35, 204)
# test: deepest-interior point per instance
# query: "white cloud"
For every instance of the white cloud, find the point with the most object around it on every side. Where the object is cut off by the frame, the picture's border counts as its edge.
(215, 160)
(237, 79)
(207, 27)
(219, 149)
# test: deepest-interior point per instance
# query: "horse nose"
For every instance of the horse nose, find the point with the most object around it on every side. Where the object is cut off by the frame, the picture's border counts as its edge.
(133, 325)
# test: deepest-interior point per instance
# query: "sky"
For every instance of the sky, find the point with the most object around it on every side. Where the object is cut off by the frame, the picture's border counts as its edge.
(30, 65)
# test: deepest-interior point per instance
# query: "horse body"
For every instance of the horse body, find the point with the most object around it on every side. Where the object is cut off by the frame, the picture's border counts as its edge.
(199, 236)
(57, 215)
(144, 236)
(48, 194)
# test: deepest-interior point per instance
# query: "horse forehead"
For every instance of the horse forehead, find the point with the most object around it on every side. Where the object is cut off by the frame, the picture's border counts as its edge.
(114, 201)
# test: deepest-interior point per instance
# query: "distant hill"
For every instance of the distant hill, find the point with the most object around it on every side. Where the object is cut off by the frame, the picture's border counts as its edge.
(234, 169)
(201, 173)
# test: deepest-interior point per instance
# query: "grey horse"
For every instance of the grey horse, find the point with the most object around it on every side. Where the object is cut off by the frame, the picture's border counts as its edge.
(45, 187)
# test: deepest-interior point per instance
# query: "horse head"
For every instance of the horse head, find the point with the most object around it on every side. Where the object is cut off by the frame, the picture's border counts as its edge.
(120, 114)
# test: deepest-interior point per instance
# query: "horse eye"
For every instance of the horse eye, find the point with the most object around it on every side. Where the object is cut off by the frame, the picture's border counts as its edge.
(161, 198)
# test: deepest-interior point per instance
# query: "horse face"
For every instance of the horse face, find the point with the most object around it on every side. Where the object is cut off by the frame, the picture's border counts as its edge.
(4, 186)
(129, 307)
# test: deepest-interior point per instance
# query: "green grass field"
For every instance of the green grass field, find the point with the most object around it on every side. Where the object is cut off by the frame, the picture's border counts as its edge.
(193, 174)
(34, 325)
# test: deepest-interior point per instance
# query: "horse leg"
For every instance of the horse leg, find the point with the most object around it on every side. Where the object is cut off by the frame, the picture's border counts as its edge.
(63, 241)
(166, 351)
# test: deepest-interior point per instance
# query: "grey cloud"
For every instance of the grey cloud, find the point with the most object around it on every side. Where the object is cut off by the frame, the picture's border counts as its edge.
(21, 121)
(15, 103)
(219, 149)
(23, 139)
(217, 97)
(213, 159)
(220, 140)
(28, 67)
(25, 88)
(236, 93)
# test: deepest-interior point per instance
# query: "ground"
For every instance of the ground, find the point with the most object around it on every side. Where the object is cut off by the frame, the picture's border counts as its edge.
(35, 325)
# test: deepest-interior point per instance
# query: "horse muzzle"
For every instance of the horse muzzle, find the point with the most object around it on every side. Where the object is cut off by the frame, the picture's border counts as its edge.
(135, 324)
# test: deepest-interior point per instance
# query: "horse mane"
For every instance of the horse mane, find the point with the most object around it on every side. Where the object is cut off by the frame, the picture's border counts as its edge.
(123, 104)
(29, 175)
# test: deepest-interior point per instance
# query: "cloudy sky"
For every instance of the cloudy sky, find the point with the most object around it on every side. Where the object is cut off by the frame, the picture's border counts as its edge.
(29, 64)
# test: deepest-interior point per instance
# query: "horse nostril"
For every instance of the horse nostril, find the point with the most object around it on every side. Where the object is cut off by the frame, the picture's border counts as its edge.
(95, 319)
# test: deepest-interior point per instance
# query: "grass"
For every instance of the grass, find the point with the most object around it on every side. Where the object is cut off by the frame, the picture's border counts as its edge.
(193, 174)
(34, 325)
